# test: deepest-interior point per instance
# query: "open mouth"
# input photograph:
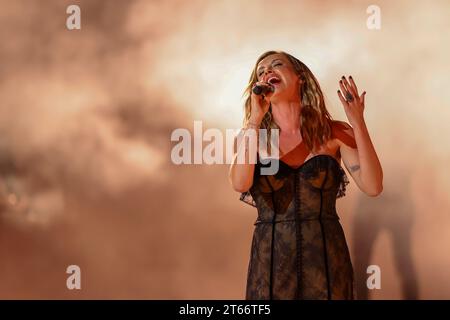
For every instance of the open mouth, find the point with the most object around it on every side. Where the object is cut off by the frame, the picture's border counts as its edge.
(274, 80)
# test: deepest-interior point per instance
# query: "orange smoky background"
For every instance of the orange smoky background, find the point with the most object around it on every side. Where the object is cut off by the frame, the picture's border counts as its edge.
(86, 116)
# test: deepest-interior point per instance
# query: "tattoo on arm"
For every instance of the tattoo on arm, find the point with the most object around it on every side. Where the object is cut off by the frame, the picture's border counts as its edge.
(354, 168)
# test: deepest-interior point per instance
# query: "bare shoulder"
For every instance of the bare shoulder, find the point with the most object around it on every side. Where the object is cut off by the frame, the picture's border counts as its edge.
(341, 126)
(343, 133)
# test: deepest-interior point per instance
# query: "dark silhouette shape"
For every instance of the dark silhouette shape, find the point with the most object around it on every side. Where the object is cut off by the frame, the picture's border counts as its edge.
(392, 211)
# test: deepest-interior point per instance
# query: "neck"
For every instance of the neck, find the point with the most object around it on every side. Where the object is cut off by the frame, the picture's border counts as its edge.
(287, 115)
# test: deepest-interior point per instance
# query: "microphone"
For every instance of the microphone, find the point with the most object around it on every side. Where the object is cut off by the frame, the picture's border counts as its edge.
(261, 89)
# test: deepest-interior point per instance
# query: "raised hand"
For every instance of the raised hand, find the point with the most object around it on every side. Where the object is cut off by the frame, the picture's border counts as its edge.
(352, 101)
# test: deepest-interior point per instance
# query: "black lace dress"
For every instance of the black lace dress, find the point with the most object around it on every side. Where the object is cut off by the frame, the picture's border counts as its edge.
(299, 249)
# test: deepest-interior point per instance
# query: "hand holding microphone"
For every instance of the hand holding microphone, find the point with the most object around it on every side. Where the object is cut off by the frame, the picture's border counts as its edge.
(260, 100)
(262, 88)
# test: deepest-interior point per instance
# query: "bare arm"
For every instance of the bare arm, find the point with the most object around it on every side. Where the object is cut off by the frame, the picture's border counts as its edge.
(241, 173)
(362, 162)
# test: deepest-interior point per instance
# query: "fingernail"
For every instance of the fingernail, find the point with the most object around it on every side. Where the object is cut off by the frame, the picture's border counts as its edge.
(339, 91)
(340, 81)
(343, 77)
(350, 77)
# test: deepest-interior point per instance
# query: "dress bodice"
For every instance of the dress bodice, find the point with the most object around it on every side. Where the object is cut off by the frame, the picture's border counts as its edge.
(315, 185)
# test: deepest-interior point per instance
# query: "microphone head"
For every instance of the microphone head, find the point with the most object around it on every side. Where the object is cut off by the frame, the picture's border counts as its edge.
(263, 89)
(257, 90)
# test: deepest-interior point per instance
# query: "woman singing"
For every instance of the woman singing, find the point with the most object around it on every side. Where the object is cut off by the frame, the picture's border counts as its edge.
(299, 250)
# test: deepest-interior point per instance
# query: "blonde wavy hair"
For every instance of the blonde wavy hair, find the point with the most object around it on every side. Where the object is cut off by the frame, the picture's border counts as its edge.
(315, 120)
